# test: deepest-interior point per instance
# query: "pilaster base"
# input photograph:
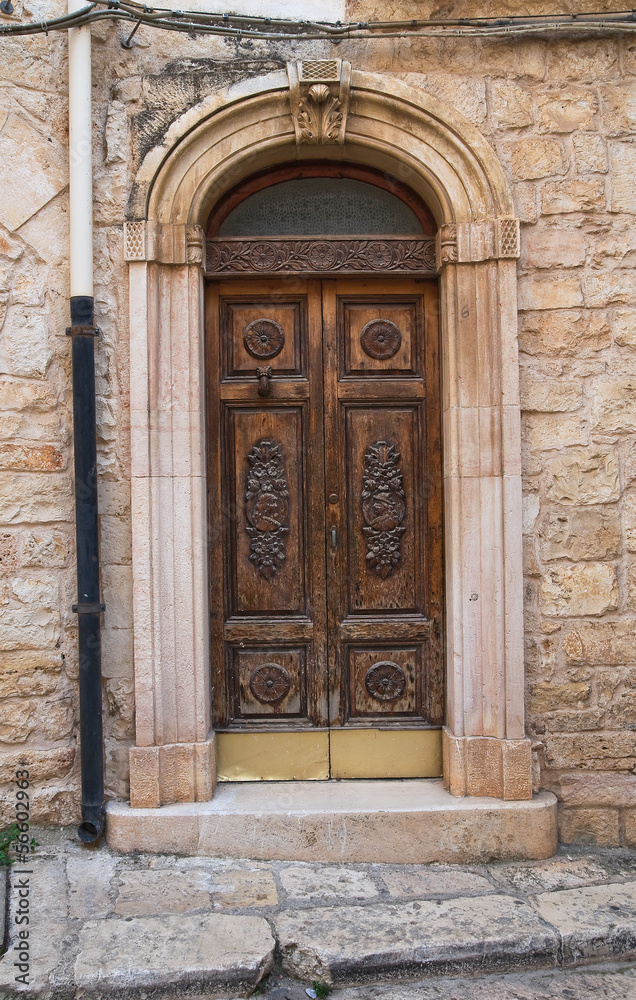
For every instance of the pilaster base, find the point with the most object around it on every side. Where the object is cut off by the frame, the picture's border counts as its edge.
(176, 772)
(483, 765)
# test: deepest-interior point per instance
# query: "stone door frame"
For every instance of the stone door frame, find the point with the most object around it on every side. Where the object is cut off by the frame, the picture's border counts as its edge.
(427, 145)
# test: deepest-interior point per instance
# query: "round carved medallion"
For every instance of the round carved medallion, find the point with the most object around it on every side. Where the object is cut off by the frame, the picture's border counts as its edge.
(264, 338)
(263, 256)
(384, 511)
(381, 339)
(267, 511)
(270, 682)
(322, 256)
(385, 681)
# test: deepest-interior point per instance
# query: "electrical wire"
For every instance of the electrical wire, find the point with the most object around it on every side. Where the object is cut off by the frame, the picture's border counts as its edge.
(242, 27)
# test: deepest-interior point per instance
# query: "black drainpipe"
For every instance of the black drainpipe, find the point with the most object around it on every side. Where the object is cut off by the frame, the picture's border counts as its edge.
(89, 606)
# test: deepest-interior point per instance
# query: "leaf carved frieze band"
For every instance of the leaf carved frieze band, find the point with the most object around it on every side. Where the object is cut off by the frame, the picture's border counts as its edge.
(383, 507)
(276, 256)
(267, 507)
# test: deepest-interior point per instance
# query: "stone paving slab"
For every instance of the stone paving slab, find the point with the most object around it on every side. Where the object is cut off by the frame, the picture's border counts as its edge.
(354, 944)
(153, 927)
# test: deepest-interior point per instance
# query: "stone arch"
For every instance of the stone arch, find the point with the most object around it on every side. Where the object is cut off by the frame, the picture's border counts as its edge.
(429, 146)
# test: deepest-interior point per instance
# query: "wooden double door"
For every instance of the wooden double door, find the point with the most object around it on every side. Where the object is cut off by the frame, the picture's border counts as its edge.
(325, 521)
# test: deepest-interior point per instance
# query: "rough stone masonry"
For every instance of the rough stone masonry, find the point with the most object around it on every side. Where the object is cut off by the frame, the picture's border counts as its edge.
(560, 111)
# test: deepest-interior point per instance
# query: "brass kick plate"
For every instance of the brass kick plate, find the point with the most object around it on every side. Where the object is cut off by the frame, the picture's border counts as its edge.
(305, 756)
(272, 756)
(383, 753)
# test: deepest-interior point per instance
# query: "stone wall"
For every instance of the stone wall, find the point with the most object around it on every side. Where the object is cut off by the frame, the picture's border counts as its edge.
(560, 114)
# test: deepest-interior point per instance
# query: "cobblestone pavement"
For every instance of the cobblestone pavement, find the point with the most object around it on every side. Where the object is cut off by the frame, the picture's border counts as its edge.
(133, 926)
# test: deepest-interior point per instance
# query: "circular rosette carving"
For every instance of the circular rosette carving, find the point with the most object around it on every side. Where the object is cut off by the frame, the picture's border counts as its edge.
(270, 683)
(380, 339)
(264, 338)
(385, 681)
(263, 256)
(213, 258)
(379, 255)
(322, 256)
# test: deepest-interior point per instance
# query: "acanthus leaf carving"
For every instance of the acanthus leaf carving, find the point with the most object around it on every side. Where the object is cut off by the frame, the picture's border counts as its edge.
(383, 507)
(267, 507)
(319, 100)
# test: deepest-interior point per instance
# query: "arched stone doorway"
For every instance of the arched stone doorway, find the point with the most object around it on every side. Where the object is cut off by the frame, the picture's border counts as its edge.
(249, 128)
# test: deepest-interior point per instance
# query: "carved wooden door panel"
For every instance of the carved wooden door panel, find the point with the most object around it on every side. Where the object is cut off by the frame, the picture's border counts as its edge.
(325, 527)
(382, 450)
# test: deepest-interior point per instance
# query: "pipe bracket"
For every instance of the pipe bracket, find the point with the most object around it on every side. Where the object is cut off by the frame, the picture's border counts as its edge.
(88, 609)
(82, 331)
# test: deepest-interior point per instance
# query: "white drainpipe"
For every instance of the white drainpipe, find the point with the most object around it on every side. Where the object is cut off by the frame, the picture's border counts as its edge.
(80, 156)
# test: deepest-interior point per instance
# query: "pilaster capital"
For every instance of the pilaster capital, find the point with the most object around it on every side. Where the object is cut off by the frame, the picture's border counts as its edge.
(471, 242)
(164, 243)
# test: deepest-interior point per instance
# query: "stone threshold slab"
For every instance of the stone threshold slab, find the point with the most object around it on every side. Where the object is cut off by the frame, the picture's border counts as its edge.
(395, 822)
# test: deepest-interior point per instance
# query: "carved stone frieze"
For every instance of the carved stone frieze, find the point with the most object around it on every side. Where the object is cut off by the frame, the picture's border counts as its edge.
(383, 507)
(267, 507)
(279, 255)
(319, 100)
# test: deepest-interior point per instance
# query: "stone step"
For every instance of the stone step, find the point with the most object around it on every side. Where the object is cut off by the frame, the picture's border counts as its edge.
(414, 821)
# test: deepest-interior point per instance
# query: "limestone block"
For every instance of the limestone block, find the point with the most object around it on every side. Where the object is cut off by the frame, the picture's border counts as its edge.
(582, 589)
(566, 109)
(29, 673)
(616, 248)
(466, 94)
(156, 892)
(594, 789)
(549, 395)
(43, 591)
(547, 246)
(590, 153)
(530, 58)
(611, 643)
(602, 751)
(8, 552)
(350, 943)
(624, 327)
(619, 108)
(118, 596)
(545, 697)
(211, 953)
(622, 159)
(35, 497)
(114, 498)
(328, 883)
(18, 719)
(18, 394)
(510, 104)
(48, 232)
(55, 806)
(34, 167)
(575, 59)
(116, 540)
(584, 476)
(117, 134)
(594, 922)
(563, 197)
(563, 334)
(525, 199)
(117, 652)
(57, 719)
(531, 507)
(534, 158)
(89, 878)
(42, 765)
(403, 882)
(46, 549)
(614, 405)
(28, 628)
(580, 534)
(24, 345)
(546, 431)
(629, 521)
(236, 889)
(555, 292)
(609, 287)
